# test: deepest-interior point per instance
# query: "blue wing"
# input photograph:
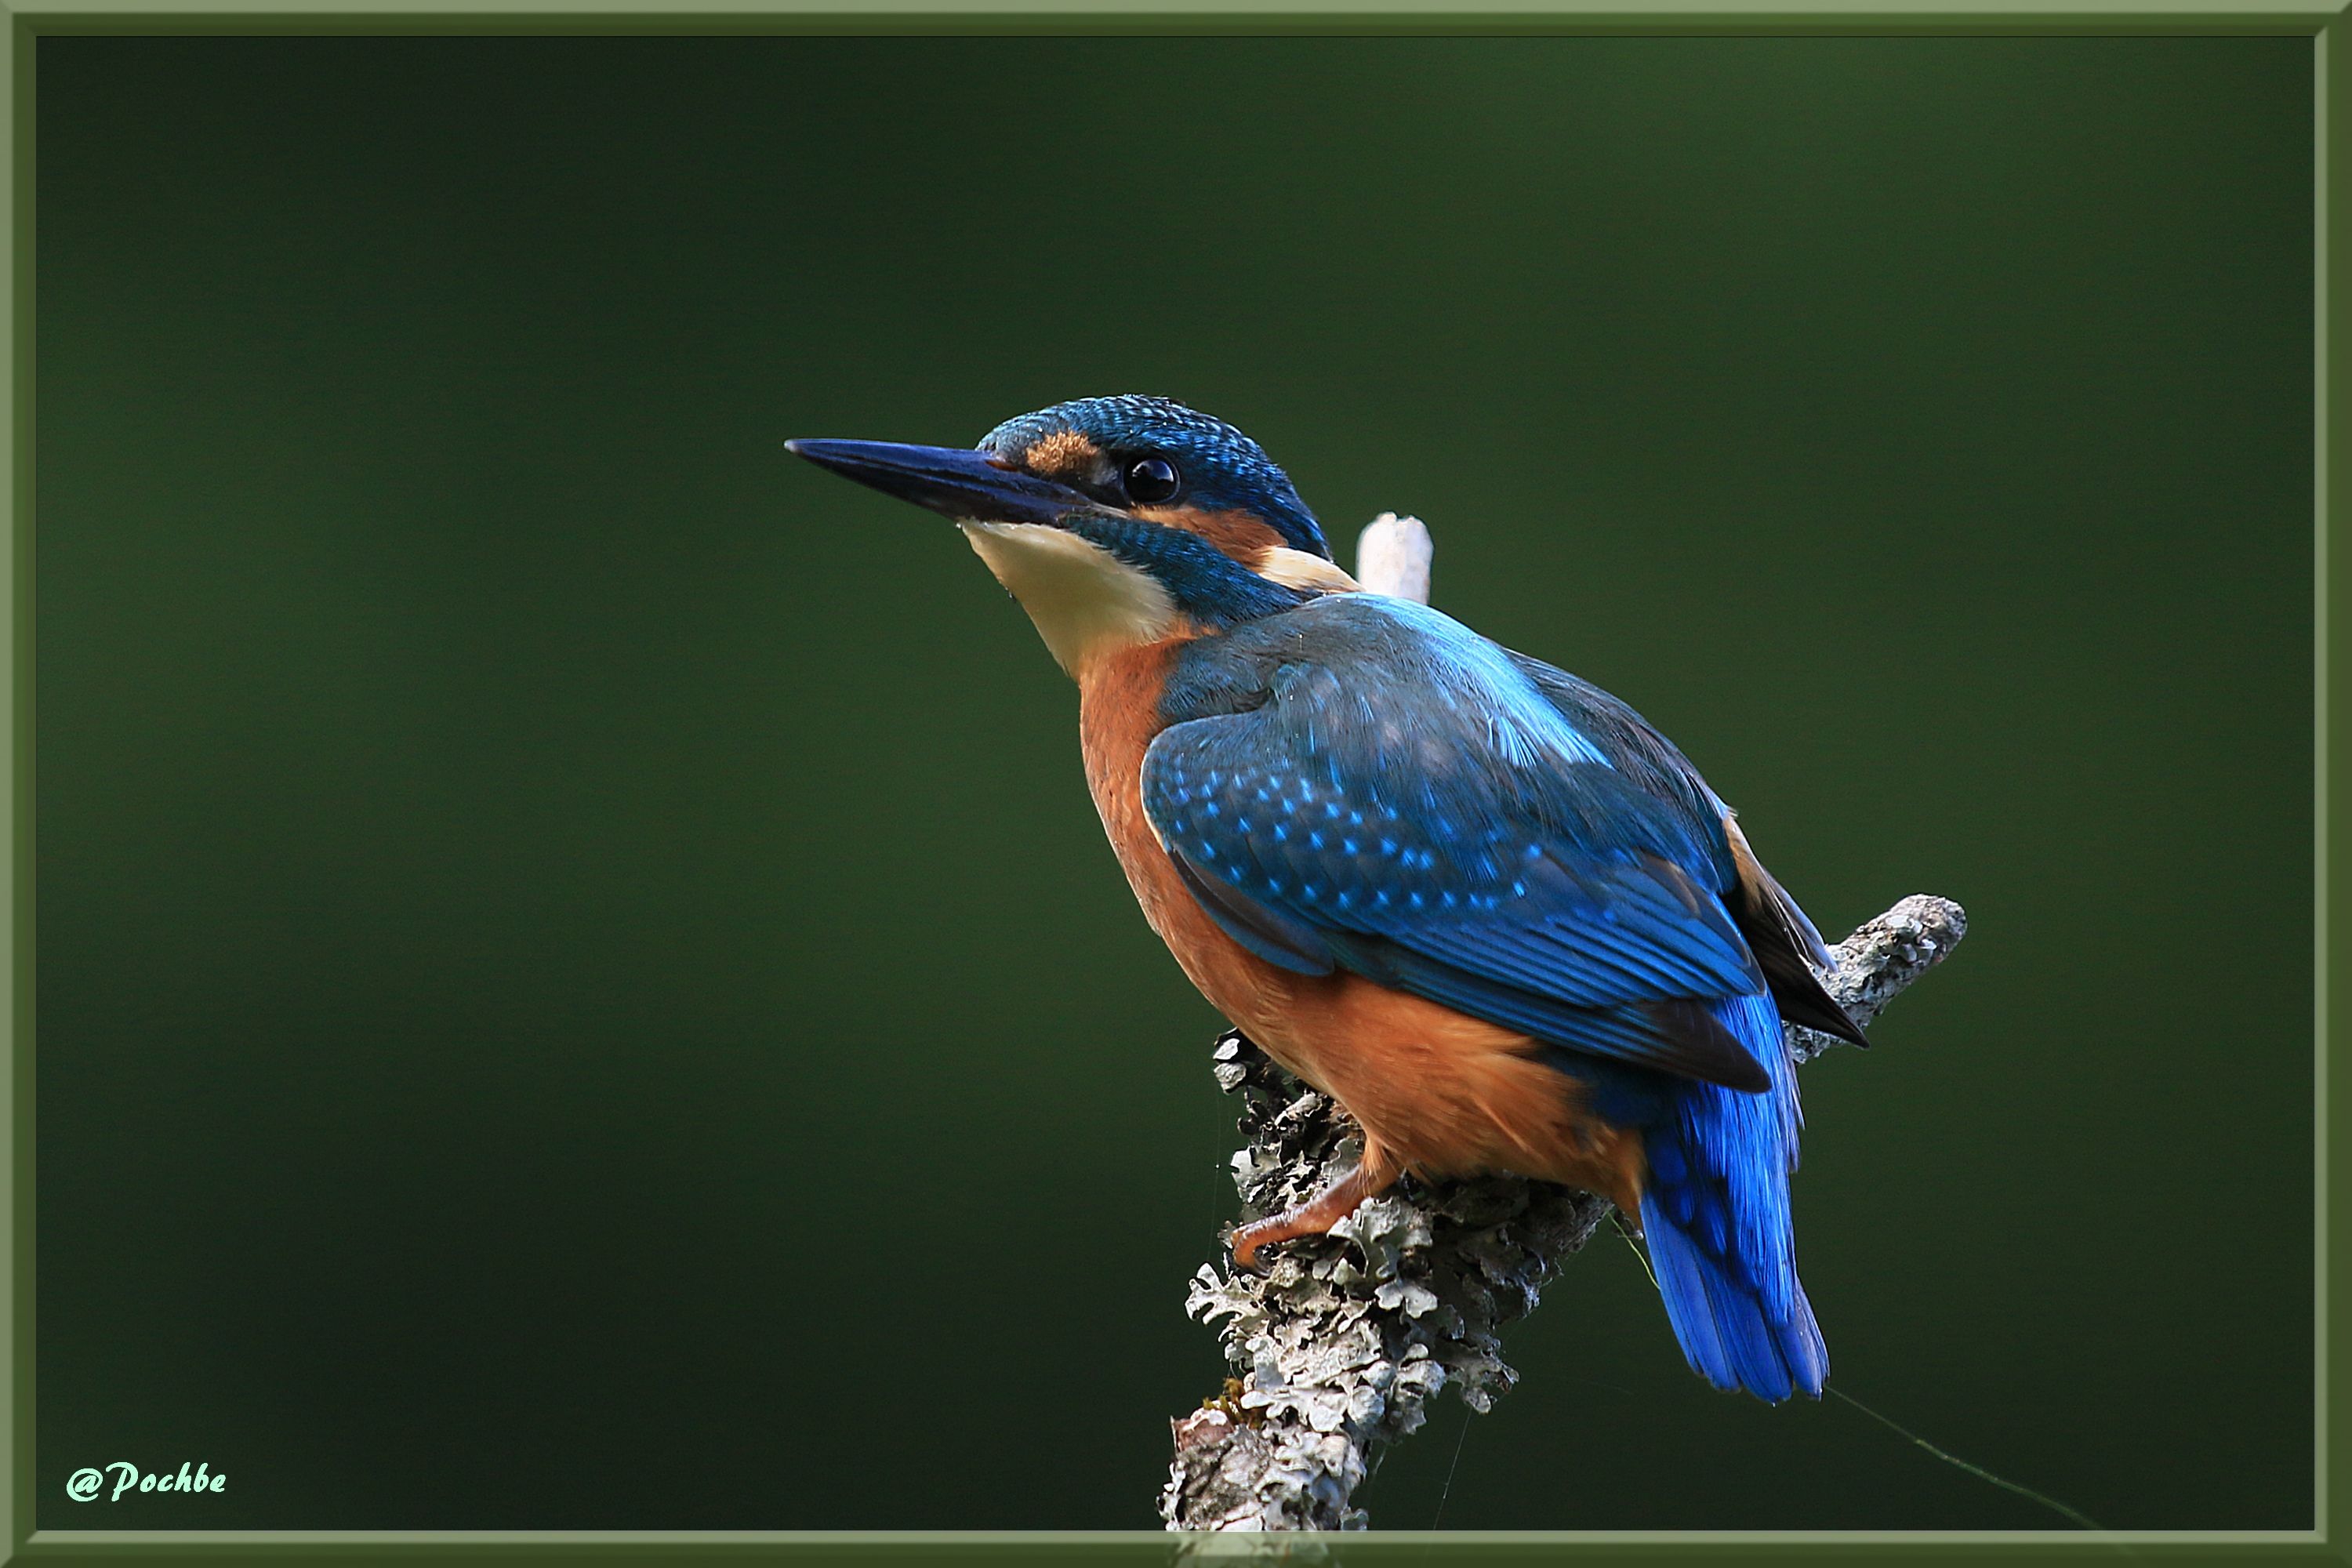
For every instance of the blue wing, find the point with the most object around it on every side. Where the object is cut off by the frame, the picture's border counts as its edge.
(1370, 786)
(1787, 946)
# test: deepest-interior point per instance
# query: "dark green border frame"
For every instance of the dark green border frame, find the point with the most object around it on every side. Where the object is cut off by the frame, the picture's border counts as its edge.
(2330, 30)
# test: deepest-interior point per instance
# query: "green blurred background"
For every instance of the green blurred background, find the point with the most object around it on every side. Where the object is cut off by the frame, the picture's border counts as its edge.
(578, 981)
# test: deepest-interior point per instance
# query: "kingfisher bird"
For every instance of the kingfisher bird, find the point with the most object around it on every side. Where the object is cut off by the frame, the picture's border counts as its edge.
(1479, 902)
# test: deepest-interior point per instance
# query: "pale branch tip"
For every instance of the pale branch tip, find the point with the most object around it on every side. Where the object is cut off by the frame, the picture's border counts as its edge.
(1393, 555)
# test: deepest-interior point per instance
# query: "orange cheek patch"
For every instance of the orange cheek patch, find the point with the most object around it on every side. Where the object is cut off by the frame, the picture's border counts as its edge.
(1062, 452)
(1240, 534)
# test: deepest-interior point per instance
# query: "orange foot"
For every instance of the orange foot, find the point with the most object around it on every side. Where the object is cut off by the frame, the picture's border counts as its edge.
(1317, 1214)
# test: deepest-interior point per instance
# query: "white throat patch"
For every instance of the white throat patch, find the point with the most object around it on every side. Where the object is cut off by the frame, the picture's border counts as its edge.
(1085, 601)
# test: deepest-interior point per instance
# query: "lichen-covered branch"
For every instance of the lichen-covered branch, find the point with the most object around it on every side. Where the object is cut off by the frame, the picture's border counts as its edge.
(1341, 1342)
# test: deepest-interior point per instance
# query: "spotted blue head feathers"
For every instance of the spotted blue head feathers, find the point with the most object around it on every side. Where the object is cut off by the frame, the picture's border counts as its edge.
(1133, 450)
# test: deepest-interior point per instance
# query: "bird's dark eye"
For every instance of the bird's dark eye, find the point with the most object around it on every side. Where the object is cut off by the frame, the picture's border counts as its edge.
(1151, 480)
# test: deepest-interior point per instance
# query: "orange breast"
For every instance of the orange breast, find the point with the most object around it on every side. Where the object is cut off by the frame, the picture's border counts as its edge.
(1435, 1090)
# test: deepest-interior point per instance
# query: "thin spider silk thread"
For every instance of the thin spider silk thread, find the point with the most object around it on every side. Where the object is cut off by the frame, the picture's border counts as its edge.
(2073, 1515)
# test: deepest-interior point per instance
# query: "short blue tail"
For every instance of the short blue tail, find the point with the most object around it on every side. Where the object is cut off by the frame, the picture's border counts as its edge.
(1716, 1212)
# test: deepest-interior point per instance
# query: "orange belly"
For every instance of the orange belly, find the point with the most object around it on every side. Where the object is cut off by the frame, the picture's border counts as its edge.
(1435, 1090)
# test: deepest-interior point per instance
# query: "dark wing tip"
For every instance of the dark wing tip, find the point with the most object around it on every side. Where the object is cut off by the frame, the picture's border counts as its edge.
(1798, 991)
(1784, 943)
(1703, 1048)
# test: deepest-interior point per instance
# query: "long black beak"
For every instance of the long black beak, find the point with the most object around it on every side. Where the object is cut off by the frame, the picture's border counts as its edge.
(952, 480)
